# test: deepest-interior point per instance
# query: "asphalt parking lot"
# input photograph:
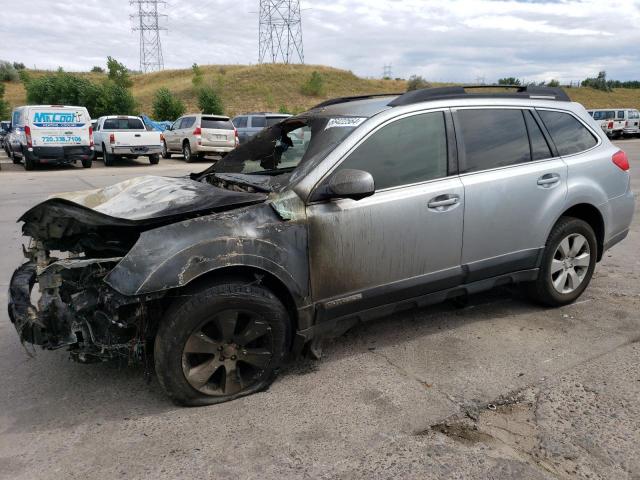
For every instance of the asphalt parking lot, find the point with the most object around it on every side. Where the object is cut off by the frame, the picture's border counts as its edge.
(496, 388)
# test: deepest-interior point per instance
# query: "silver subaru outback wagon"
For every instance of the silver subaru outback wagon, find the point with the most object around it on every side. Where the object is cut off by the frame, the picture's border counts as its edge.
(345, 213)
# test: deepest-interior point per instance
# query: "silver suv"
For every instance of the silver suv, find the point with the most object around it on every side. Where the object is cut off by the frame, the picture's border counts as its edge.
(199, 134)
(348, 212)
(250, 124)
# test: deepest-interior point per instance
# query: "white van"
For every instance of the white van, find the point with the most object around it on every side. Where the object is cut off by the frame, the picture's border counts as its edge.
(631, 118)
(51, 134)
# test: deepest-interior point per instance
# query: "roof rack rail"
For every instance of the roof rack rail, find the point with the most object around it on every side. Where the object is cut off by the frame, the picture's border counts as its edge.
(335, 101)
(528, 91)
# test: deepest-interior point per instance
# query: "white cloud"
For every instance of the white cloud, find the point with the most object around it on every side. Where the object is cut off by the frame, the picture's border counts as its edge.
(455, 40)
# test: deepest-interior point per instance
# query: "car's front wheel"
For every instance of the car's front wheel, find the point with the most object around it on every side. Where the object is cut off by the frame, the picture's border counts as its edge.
(568, 263)
(224, 342)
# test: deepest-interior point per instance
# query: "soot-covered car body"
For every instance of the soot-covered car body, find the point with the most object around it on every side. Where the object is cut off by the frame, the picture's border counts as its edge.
(351, 211)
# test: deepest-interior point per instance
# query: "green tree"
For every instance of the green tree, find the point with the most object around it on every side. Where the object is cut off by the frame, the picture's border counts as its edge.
(599, 83)
(166, 106)
(416, 82)
(118, 73)
(97, 69)
(314, 86)
(19, 65)
(4, 105)
(198, 75)
(209, 101)
(114, 99)
(553, 83)
(509, 81)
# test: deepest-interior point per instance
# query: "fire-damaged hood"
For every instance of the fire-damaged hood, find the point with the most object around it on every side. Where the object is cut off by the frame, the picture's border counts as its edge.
(110, 219)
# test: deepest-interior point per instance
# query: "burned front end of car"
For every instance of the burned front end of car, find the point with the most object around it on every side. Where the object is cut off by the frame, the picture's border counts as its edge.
(76, 240)
(77, 309)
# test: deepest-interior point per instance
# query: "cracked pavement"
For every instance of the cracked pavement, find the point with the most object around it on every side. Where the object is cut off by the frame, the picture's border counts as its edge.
(498, 388)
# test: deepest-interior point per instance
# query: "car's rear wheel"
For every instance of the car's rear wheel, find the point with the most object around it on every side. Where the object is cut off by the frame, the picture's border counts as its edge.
(568, 263)
(86, 163)
(221, 343)
(29, 163)
(154, 159)
(165, 152)
(107, 157)
(13, 156)
(186, 152)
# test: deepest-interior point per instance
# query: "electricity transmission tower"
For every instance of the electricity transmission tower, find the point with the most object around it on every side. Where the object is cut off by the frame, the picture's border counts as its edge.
(387, 72)
(147, 21)
(280, 37)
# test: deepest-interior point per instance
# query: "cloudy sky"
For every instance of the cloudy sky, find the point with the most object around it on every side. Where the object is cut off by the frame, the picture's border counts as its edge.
(443, 40)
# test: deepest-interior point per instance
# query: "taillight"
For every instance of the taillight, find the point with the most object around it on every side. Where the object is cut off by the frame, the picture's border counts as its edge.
(610, 127)
(197, 131)
(91, 144)
(235, 130)
(112, 138)
(162, 137)
(626, 124)
(27, 133)
(621, 160)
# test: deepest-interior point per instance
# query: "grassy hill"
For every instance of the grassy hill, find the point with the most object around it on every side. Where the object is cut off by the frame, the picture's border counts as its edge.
(269, 87)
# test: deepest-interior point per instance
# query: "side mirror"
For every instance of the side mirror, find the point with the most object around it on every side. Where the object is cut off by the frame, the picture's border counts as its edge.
(348, 183)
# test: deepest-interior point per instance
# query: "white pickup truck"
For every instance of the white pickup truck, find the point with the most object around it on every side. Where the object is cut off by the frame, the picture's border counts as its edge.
(118, 136)
(608, 121)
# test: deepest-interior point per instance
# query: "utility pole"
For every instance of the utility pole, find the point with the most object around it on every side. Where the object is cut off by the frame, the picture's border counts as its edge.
(280, 32)
(147, 21)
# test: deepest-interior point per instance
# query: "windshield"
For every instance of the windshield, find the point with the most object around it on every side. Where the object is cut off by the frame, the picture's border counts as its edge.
(279, 150)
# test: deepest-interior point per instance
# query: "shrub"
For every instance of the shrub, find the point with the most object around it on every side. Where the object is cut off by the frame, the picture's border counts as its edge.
(314, 87)
(166, 106)
(8, 73)
(209, 101)
(509, 81)
(416, 82)
(114, 99)
(198, 75)
(97, 69)
(283, 109)
(4, 106)
(553, 83)
(118, 73)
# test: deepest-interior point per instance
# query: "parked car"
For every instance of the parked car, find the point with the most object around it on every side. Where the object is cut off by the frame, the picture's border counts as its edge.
(249, 124)
(393, 202)
(608, 121)
(51, 134)
(118, 136)
(631, 119)
(5, 127)
(198, 134)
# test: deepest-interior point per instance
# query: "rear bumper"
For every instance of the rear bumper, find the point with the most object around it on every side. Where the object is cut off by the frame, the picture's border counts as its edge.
(212, 149)
(60, 154)
(137, 150)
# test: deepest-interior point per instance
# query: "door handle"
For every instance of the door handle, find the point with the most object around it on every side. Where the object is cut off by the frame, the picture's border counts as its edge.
(549, 180)
(442, 201)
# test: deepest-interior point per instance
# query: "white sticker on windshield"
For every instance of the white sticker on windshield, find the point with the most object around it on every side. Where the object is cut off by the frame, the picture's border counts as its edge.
(345, 122)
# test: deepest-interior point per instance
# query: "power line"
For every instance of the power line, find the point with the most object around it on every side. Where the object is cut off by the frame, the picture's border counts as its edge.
(147, 21)
(280, 32)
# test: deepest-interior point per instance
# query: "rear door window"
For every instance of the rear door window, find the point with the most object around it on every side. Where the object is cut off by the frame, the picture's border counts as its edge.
(407, 151)
(188, 122)
(258, 122)
(569, 135)
(271, 121)
(216, 124)
(492, 138)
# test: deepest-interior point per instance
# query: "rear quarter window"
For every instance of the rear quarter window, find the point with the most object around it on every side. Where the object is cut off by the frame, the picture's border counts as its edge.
(258, 122)
(569, 135)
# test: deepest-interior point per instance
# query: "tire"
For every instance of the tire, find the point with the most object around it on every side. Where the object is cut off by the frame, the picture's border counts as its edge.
(563, 278)
(107, 157)
(13, 157)
(87, 163)
(186, 152)
(199, 317)
(165, 152)
(154, 159)
(29, 164)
